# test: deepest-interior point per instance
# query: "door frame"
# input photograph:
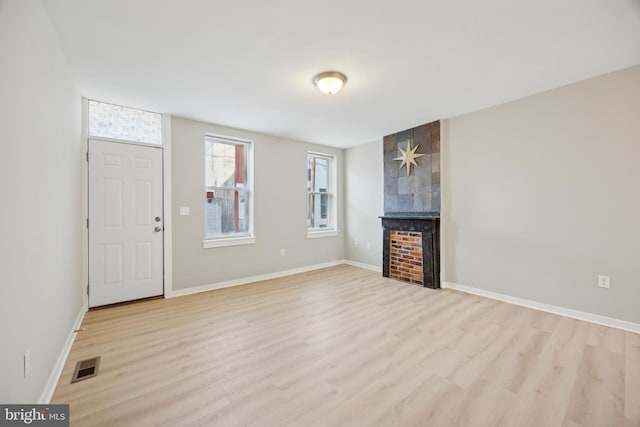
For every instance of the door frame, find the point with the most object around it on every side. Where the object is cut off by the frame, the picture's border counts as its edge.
(166, 201)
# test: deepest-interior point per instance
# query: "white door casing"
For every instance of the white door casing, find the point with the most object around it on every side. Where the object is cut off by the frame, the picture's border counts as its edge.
(125, 222)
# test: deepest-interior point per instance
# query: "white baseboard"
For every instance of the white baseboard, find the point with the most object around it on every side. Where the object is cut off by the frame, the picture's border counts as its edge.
(562, 311)
(251, 279)
(363, 265)
(52, 382)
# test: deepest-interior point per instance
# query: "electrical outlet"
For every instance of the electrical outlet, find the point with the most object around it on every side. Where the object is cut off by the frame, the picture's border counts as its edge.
(27, 363)
(281, 252)
(603, 281)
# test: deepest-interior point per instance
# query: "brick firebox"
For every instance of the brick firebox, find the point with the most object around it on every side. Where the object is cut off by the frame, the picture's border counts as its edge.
(405, 262)
(409, 229)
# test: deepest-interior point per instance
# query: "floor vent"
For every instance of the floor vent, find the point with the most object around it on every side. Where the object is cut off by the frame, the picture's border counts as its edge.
(86, 369)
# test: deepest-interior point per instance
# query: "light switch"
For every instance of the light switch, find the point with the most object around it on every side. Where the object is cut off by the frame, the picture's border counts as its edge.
(185, 211)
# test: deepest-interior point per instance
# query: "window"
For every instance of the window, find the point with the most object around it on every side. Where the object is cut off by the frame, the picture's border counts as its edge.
(321, 211)
(228, 198)
(127, 124)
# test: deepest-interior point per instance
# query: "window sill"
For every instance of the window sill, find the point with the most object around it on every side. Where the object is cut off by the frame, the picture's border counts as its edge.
(315, 234)
(231, 241)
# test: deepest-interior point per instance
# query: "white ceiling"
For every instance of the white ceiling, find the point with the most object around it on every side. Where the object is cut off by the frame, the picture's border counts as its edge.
(249, 63)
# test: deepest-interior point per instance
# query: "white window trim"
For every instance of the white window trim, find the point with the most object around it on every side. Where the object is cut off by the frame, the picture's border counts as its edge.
(332, 230)
(247, 238)
(230, 241)
(318, 233)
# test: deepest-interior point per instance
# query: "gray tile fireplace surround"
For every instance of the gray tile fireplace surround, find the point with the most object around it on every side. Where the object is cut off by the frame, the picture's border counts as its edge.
(419, 191)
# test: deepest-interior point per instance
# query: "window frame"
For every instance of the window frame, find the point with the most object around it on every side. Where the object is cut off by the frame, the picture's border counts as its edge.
(332, 200)
(233, 239)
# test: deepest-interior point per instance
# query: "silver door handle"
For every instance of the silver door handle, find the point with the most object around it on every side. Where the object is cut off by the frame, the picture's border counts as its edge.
(157, 229)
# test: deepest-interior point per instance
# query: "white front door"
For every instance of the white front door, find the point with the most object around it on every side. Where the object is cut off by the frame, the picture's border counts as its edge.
(125, 222)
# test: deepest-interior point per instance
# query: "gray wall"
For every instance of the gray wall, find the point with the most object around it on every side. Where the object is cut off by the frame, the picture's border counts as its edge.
(542, 195)
(364, 203)
(40, 247)
(280, 209)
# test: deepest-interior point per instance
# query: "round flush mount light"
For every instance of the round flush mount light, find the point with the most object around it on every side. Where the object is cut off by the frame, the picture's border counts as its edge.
(330, 82)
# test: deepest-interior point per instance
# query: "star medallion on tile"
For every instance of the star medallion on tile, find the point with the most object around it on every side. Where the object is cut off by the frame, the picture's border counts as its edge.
(409, 157)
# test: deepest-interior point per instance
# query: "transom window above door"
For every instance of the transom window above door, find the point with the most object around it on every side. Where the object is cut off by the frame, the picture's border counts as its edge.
(112, 121)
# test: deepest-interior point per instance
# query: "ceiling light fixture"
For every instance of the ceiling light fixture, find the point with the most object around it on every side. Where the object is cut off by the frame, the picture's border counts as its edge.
(330, 82)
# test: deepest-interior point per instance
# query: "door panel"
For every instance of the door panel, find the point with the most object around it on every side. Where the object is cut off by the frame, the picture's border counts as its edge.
(125, 239)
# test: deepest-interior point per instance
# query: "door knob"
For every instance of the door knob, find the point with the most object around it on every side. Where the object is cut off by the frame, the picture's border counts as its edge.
(157, 219)
(157, 229)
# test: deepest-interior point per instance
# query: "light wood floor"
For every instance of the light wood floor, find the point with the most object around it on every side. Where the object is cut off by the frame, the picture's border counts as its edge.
(345, 347)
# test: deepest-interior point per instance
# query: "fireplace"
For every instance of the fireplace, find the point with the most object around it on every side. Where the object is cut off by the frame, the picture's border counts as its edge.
(411, 248)
(411, 221)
